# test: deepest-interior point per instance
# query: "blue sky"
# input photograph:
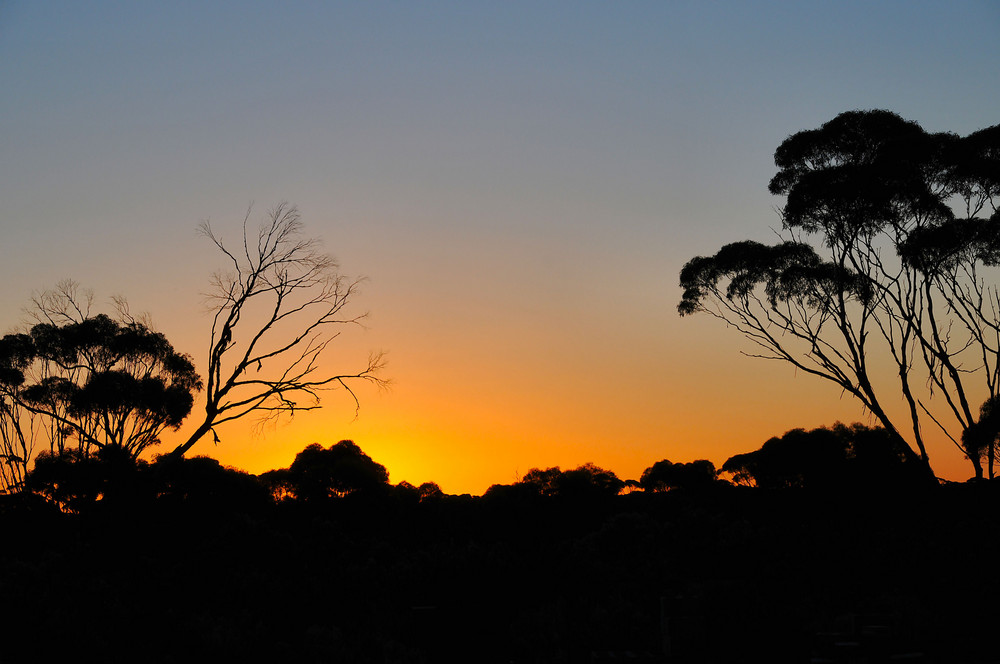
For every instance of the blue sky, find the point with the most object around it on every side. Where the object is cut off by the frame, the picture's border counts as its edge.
(521, 183)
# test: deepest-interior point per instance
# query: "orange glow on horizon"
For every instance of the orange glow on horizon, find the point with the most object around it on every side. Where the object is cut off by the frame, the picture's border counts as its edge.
(468, 436)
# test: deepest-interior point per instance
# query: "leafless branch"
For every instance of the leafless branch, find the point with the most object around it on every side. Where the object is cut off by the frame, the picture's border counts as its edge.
(275, 313)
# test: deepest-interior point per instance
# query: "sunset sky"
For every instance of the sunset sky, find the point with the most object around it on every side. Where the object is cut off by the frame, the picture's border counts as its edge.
(521, 182)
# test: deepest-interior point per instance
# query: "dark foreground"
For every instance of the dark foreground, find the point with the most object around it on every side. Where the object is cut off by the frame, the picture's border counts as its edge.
(725, 575)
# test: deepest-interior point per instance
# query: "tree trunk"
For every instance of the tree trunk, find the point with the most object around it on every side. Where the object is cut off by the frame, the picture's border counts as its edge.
(992, 456)
(920, 461)
(977, 463)
(202, 429)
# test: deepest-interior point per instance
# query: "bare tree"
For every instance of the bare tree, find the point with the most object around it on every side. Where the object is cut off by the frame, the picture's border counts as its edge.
(276, 310)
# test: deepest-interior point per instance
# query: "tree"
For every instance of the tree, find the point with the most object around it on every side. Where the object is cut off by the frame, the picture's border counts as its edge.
(319, 473)
(204, 484)
(887, 234)
(544, 482)
(277, 310)
(586, 481)
(88, 383)
(837, 457)
(429, 491)
(664, 475)
(426, 492)
(75, 481)
(980, 438)
(19, 427)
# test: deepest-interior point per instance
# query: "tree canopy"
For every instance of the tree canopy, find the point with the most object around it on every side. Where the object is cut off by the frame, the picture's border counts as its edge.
(318, 473)
(584, 482)
(90, 382)
(838, 457)
(889, 236)
(664, 475)
(85, 382)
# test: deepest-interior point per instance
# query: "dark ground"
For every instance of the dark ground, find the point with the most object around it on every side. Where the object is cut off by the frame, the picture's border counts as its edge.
(725, 575)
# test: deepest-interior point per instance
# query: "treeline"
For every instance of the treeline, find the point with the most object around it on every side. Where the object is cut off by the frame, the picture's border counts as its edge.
(106, 558)
(842, 457)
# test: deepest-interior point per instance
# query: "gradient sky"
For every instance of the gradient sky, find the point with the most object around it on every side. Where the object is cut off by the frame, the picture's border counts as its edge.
(521, 182)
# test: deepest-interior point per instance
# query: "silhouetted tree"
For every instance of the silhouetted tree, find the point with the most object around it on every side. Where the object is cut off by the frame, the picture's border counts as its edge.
(202, 482)
(319, 473)
(426, 492)
(419, 494)
(587, 480)
(980, 438)
(664, 475)
(429, 491)
(902, 220)
(279, 483)
(277, 310)
(841, 456)
(407, 492)
(543, 482)
(89, 382)
(75, 481)
(19, 427)
(510, 493)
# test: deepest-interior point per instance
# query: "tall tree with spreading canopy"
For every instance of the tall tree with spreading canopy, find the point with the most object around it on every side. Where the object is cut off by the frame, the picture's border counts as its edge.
(889, 237)
(277, 309)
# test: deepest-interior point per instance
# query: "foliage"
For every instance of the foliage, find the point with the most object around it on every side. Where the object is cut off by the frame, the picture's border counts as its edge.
(888, 234)
(664, 475)
(83, 383)
(319, 473)
(79, 382)
(75, 481)
(981, 437)
(201, 483)
(837, 457)
(748, 571)
(585, 482)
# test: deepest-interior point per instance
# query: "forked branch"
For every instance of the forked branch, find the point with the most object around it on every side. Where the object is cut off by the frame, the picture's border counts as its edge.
(276, 311)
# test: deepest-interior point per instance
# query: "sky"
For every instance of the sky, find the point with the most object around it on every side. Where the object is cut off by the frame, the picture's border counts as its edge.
(519, 182)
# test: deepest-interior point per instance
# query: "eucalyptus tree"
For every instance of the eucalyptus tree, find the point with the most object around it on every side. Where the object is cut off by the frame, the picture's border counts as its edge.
(85, 383)
(276, 310)
(665, 475)
(19, 427)
(888, 237)
(841, 457)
